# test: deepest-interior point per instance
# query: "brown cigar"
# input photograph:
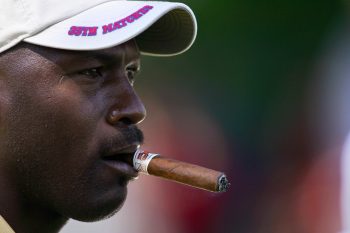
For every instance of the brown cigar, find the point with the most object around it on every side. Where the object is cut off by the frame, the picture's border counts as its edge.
(185, 173)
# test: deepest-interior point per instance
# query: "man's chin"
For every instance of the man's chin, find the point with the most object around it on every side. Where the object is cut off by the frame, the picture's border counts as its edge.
(97, 211)
(94, 217)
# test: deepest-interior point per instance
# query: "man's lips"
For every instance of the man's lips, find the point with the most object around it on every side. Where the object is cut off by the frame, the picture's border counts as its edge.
(121, 160)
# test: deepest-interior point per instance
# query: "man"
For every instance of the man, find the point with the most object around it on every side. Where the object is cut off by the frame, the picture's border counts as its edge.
(68, 110)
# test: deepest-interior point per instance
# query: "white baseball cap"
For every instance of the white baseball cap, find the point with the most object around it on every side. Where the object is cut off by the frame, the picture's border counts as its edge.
(160, 28)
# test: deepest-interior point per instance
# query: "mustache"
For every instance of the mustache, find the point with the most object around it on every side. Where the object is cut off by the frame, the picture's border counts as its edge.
(125, 137)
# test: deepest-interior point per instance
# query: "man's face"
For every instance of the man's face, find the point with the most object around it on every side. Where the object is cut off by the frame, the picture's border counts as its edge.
(68, 118)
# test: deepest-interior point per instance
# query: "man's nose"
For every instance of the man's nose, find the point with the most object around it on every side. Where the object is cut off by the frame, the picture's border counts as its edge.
(128, 109)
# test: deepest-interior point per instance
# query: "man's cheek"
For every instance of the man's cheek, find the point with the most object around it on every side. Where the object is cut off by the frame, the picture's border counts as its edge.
(70, 97)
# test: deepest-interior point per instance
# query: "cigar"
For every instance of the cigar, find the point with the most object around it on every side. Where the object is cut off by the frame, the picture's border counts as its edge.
(181, 172)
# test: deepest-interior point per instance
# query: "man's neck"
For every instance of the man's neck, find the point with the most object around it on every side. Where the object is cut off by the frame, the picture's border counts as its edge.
(24, 217)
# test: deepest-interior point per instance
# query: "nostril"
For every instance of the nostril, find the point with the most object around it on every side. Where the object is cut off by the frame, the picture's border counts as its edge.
(126, 121)
(115, 117)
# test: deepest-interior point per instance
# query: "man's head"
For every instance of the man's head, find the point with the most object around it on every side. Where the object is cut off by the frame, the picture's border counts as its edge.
(68, 110)
(62, 114)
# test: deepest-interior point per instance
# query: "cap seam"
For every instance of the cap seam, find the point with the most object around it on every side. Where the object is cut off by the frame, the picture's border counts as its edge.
(10, 43)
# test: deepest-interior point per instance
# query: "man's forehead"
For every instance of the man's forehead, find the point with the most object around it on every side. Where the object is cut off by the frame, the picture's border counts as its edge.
(128, 50)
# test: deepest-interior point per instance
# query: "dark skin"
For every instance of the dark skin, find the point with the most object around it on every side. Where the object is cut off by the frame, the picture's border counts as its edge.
(61, 114)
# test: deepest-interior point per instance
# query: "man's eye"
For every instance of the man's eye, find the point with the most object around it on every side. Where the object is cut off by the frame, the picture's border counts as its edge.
(92, 73)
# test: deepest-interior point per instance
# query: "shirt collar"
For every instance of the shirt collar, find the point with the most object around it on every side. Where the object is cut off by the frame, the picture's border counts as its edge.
(4, 226)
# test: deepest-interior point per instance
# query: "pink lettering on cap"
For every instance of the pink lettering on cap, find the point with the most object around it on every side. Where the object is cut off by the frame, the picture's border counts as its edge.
(110, 27)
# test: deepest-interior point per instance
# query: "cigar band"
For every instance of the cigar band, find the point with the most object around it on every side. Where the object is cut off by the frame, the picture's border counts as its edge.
(142, 159)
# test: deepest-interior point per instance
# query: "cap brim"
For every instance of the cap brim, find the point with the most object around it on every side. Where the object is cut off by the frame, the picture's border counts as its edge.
(160, 28)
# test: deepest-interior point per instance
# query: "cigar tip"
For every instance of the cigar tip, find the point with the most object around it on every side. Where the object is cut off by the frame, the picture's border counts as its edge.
(223, 184)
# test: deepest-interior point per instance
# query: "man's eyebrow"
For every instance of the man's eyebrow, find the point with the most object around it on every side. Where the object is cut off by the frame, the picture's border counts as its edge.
(106, 57)
(112, 56)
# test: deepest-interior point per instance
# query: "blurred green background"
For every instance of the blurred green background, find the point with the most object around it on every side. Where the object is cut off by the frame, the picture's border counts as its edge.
(250, 70)
(248, 57)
